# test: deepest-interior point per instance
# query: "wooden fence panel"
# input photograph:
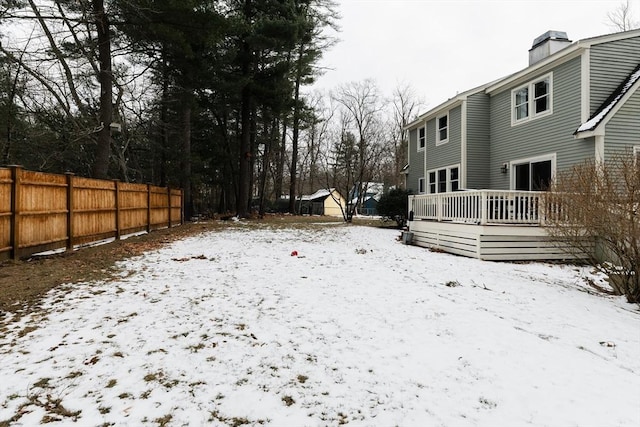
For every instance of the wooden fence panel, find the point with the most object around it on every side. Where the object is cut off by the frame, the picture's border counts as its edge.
(94, 210)
(159, 207)
(5, 213)
(133, 207)
(43, 211)
(176, 206)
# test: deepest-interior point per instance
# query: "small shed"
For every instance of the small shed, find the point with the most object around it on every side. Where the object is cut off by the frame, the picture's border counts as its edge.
(322, 202)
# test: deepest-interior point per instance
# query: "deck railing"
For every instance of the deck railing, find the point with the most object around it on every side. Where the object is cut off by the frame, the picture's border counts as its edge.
(484, 207)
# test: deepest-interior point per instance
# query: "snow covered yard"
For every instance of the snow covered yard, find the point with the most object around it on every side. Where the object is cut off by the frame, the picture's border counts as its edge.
(228, 328)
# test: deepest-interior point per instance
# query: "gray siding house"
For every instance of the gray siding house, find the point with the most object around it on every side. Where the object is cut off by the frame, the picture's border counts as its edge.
(575, 101)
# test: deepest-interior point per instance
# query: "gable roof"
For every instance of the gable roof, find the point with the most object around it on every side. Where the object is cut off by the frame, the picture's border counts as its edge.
(571, 51)
(603, 113)
(320, 194)
(447, 105)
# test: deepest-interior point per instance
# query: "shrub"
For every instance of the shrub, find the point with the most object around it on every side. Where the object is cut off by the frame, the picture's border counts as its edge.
(395, 204)
(596, 210)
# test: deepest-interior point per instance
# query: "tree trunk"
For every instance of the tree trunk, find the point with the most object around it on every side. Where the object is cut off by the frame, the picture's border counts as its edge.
(105, 77)
(281, 157)
(296, 131)
(185, 163)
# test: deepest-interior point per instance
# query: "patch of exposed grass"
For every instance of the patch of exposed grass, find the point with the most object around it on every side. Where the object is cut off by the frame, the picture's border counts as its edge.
(42, 383)
(302, 379)
(288, 400)
(112, 383)
(27, 330)
(150, 377)
(163, 421)
(196, 348)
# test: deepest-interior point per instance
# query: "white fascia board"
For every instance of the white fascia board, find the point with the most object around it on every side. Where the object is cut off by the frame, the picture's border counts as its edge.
(442, 108)
(544, 66)
(445, 106)
(600, 129)
(563, 55)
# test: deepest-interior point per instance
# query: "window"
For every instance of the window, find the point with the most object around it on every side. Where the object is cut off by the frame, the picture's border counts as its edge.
(421, 186)
(636, 154)
(442, 131)
(444, 180)
(422, 138)
(532, 100)
(533, 175)
(522, 103)
(432, 182)
(454, 179)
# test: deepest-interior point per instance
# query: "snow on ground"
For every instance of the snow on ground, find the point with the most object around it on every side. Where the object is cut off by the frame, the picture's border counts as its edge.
(228, 328)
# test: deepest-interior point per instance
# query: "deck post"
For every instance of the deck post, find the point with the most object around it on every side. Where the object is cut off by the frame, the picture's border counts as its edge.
(484, 207)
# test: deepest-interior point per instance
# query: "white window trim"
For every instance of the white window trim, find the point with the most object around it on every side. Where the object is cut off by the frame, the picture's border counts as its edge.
(424, 129)
(543, 158)
(421, 183)
(438, 140)
(531, 101)
(448, 168)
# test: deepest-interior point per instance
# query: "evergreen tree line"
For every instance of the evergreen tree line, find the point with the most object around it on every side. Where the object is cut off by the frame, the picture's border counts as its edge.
(205, 95)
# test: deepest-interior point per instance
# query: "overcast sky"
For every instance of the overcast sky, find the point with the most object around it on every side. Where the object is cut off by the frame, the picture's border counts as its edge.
(442, 47)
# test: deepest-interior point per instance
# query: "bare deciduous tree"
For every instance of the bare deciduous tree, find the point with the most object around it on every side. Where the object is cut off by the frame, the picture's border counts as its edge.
(360, 146)
(405, 105)
(622, 17)
(596, 210)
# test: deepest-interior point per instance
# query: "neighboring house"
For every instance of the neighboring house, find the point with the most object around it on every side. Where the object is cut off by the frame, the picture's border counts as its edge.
(575, 101)
(322, 202)
(368, 203)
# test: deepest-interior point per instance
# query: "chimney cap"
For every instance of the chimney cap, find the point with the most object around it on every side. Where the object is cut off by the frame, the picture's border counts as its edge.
(550, 35)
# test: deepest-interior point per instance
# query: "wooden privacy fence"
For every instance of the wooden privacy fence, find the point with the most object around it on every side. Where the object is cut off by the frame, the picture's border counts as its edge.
(43, 211)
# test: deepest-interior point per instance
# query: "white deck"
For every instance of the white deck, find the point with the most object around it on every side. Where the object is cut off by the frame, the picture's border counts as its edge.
(489, 225)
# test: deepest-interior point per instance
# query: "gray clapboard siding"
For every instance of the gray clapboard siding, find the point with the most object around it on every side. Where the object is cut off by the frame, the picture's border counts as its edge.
(478, 141)
(545, 135)
(439, 156)
(623, 130)
(611, 64)
(416, 162)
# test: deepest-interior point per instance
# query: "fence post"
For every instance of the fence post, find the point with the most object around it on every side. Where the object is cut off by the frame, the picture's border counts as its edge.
(14, 235)
(169, 206)
(69, 210)
(181, 206)
(148, 208)
(117, 191)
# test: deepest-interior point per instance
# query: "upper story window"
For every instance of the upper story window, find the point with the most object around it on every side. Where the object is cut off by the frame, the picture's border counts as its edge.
(442, 129)
(532, 100)
(422, 138)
